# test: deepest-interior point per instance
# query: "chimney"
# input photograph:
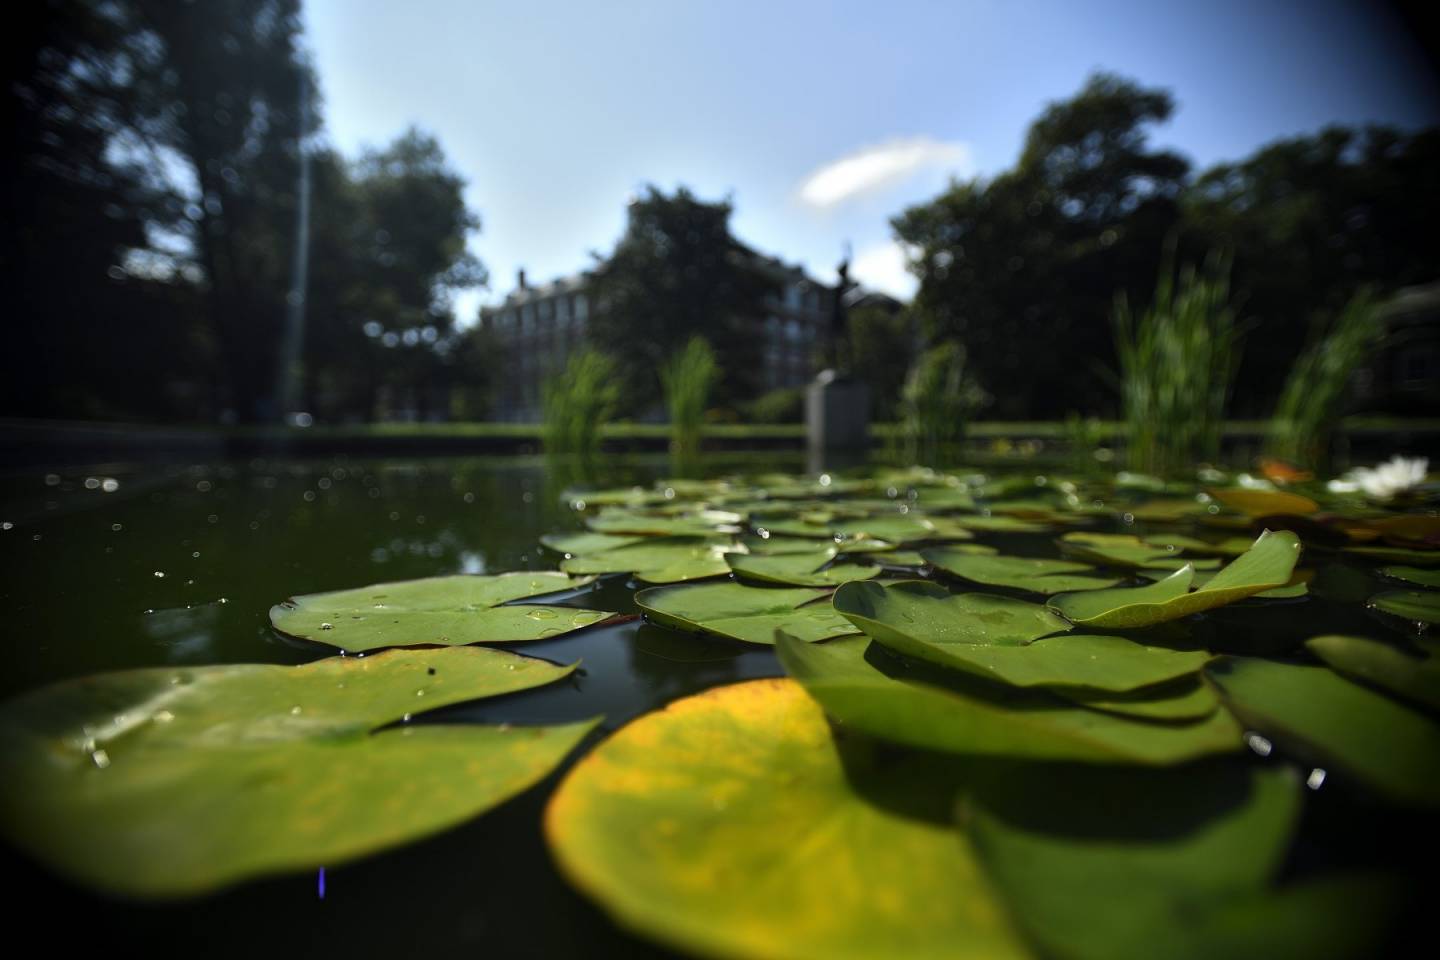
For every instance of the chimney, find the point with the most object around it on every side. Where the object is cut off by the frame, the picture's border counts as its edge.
(520, 278)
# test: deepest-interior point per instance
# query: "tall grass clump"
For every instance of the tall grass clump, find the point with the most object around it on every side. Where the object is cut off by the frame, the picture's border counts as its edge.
(1177, 365)
(578, 402)
(1314, 392)
(687, 379)
(938, 397)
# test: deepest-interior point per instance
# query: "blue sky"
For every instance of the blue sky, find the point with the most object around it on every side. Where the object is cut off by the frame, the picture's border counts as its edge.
(820, 120)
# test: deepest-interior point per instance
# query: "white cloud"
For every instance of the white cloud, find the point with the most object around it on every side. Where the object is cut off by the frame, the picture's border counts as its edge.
(873, 168)
(882, 267)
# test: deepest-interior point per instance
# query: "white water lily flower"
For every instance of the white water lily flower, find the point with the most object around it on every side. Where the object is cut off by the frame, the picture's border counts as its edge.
(1396, 476)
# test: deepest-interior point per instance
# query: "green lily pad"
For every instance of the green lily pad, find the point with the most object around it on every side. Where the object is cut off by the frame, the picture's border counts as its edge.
(915, 616)
(1189, 698)
(659, 559)
(1229, 547)
(902, 558)
(1001, 524)
(1381, 665)
(800, 569)
(452, 611)
(1333, 722)
(644, 524)
(1136, 863)
(1415, 575)
(1415, 605)
(1113, 549)
(576, 544)
(172, 782)
(1259, 503)
(1019, 573)
(1290, 591)
(744, 613)
(1102, 662)
(995, 721)
(1265, 566)
(733, 823)
(1405, 555)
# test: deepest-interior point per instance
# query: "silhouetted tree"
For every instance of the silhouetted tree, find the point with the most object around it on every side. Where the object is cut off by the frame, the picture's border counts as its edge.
(677, 272)
(1022, 268)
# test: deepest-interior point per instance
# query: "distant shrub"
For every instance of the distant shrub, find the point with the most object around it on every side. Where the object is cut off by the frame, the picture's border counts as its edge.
(785, 405)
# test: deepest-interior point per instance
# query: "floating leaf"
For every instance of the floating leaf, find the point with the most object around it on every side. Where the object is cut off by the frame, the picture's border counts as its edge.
(800, 569)
(170, 782)
(994, 524)
(1113, 549)
(659, 559)
(1257, 503)
(733, 823)
(1333, 722)
(629, 522)
(1415, 575)
(906, 558)
(1188, 698)
(744, 613)
(913, 616)
(1297, 587)
(1420, 606)
(1381, 665)
(454, 611)
(1137, 863)
(1019, 573)
(1417, 558)
(1265, 566)
(1229, 547)
(576, 544)
(993, 721)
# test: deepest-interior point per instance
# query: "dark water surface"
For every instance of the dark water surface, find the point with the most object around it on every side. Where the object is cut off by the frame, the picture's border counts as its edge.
(117, 568)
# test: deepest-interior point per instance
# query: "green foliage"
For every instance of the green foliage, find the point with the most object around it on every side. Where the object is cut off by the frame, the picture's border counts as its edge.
(1177, 363)
(687, 379)
(939, 396)
(578, 402)
(785, 405)
(1314, 393)
(677, 273)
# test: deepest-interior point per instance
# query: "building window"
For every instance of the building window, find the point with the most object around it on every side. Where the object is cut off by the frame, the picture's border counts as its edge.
(582, 306)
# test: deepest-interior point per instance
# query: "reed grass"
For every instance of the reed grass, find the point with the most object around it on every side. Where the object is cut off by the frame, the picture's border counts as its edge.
(687, 379)
(1312, 400)
(1178, 361)
(579, 402)
(938, 397)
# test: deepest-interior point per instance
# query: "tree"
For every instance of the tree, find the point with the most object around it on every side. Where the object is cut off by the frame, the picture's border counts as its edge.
(1036, 254)
(676, 273)
(1311, 220)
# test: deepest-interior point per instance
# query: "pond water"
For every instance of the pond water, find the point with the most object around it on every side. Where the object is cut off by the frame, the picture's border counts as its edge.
(121, 568)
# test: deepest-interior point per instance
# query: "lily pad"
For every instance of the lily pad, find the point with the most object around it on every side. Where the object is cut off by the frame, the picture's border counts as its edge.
(1265, 566)
(172, 782)
(915, 616)
(575, 544)
(995, 721)
(451, 611)
(800, 569)
(1405, 555)
(659, 559)
(1415, 605)
(1381, 665)
(998, 524)
(1297, 587)
(1333, 722)
(1189, 698)
(1019, 573)
(1415, 575)
(733, 823)
(629, 522)
(1258, 503)
(1138, 861)
(1113, 549)
(744, 613)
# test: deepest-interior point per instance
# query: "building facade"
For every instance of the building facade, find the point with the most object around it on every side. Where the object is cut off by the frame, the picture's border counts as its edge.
(537, 327)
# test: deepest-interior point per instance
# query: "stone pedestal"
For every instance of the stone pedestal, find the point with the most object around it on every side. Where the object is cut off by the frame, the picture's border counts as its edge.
(837, 420)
